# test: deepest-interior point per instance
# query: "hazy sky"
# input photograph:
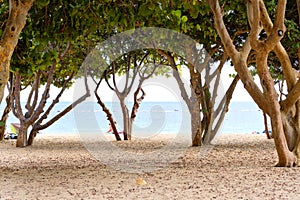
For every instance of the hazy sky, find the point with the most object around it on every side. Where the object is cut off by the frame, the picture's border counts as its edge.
(157, 89)
(164, 89)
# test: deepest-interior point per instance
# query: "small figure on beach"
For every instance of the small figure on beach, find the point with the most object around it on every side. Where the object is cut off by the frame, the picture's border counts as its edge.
(110, 130)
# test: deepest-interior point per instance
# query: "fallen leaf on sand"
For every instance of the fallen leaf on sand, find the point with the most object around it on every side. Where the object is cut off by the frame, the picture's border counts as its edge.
(141, 181)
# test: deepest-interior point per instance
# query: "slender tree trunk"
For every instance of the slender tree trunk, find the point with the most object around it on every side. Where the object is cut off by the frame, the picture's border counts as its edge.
(223, 109)
(107, 112)
(296, 123)
(266, 125)
(196, 124)
(126, 120)
(197, 95)
(22, 135)
(110, 118)
(5, 116)
(136, 105)
(32, 135)
(286, 158)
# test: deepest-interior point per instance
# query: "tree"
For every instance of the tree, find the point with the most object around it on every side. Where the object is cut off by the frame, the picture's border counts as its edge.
(203, 107)
(194, 19)
(284, 114)
(60, 73)
(39, 58)
(137, 64)
(6, 112)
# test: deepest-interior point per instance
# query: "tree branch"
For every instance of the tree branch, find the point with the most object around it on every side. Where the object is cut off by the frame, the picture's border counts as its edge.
(278, 49)
(45, 94)
(292, 97)
(107, 112)
(54, 102)
(221, 28)
(239, 59)
(34, 90)
(15, 100)
(176, 75)
(67, 109)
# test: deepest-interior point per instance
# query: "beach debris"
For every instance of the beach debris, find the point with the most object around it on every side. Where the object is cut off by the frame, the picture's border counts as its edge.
(141, 181)
(8, 136)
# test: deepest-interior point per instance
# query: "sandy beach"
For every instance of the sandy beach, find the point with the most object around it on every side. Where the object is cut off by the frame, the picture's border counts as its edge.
(61, 167)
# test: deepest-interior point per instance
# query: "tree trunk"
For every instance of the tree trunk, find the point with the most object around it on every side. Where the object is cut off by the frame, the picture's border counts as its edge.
(136, 105)
(5, 116)
(32, 135)
(14, 25)
(107, 112)
(223, 109)
(296, 123)
(266, 125)
(286, 158)
(126, 120)
(196, 124)
(22, 135)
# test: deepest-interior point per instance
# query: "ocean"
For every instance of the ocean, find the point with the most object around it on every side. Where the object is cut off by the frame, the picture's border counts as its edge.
(152, 118)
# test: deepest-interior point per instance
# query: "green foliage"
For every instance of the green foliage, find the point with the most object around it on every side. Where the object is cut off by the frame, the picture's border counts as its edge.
(142, 61)
(84, 23)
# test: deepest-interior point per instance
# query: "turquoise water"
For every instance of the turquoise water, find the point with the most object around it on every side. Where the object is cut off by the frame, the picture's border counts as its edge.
(153, 117)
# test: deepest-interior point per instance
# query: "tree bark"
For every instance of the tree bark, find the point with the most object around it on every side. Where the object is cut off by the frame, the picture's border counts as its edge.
(291, 105)
(14, 25)
(22, 135)
(136, 105)
(34, 110)
(32, 135)
(196, 124)
(266, 126)
(210, 100)
(285, 157)
(126, 120)
(30, 117)
(5, 116)
(197, 95)
(107, 112)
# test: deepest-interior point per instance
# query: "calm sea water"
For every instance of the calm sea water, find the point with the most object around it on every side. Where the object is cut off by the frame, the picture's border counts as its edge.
(152, 118)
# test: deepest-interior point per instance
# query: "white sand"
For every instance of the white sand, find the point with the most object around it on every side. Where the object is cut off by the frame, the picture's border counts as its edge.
(60, 167)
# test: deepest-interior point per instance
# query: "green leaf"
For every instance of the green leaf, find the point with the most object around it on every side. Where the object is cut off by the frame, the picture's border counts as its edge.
(184, 19)
(177, 13)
